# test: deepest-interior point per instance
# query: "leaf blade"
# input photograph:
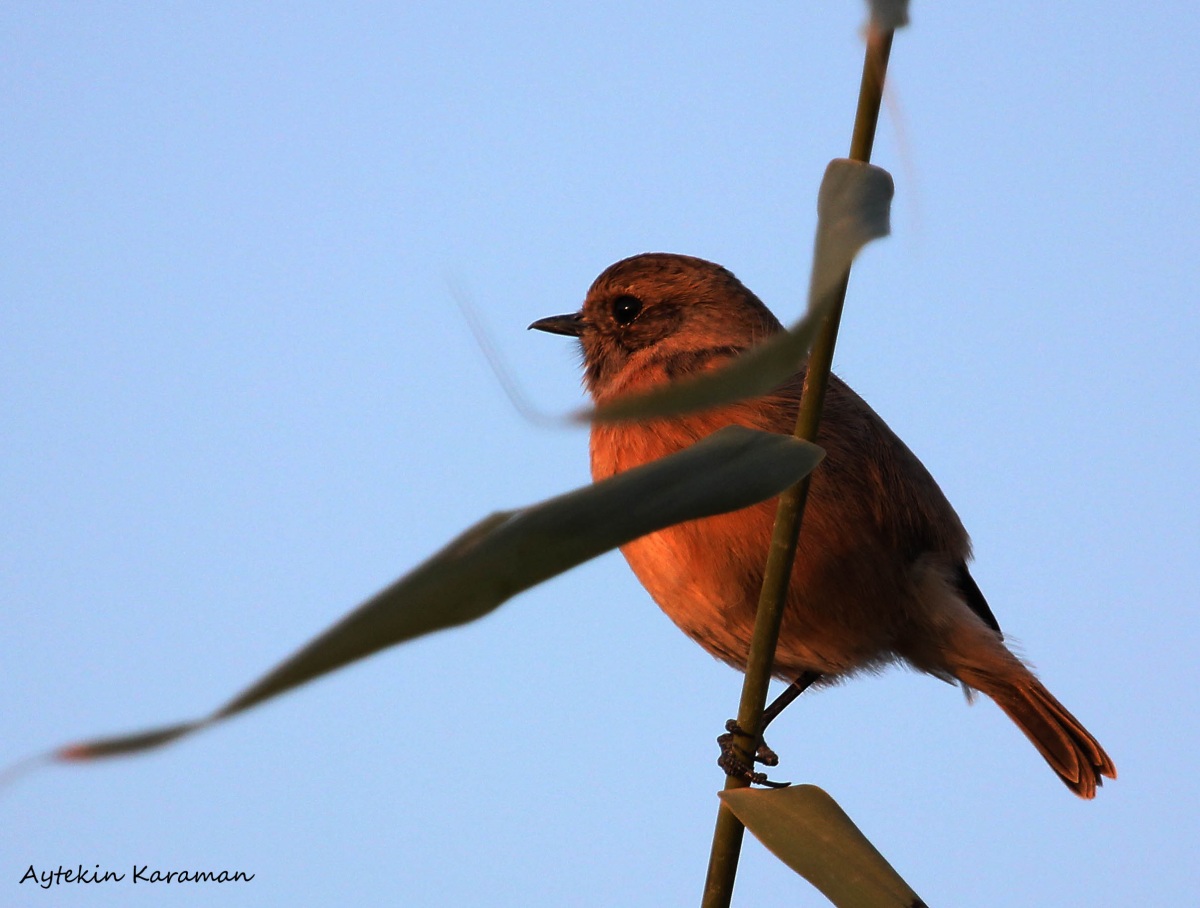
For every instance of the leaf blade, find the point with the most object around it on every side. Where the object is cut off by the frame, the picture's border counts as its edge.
(511, 551)
(808, 830)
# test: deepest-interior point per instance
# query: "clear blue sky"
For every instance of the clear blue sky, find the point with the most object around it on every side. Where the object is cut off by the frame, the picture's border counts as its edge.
(236, 398)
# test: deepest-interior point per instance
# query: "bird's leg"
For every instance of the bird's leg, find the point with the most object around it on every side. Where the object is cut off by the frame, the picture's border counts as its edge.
(731, 761)
(783, 701)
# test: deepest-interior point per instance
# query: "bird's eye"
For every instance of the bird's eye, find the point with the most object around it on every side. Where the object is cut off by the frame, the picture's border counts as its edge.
(625, 309)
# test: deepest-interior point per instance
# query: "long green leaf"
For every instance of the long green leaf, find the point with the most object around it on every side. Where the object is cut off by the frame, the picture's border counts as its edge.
(853, 208)
(512, 551)
(806, 829)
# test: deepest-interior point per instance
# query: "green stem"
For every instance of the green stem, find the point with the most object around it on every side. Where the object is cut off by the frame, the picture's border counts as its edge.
(727, 838)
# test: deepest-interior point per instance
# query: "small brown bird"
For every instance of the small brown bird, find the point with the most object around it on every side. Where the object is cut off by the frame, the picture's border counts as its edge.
(880, 574)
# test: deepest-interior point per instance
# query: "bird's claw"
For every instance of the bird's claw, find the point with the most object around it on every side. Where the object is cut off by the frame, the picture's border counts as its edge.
(732, 763)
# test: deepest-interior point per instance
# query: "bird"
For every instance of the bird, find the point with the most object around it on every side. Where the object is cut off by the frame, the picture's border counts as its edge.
(880, 573)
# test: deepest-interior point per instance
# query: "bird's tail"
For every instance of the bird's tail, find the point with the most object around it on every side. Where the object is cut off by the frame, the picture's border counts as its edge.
(962, 641)
(1060, 738)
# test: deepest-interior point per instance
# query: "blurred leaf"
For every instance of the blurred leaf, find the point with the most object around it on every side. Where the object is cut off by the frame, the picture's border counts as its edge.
(806, 829)
(888, 15)
(853, 208)
(512, 551)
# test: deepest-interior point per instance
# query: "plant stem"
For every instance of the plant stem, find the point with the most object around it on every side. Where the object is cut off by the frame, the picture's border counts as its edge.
(727, 838)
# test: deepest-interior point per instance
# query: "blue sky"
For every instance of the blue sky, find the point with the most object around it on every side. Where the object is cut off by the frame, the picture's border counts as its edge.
(237, 398)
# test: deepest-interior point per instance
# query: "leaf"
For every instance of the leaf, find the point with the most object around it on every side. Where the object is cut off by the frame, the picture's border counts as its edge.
(511, 551)
(888, 15)
(853, 208)
(806, 829)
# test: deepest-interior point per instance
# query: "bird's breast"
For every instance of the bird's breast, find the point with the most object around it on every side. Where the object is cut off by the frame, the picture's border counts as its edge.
(704, 574)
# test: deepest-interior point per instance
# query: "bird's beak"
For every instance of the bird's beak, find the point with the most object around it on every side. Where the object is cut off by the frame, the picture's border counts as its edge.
(570, 325)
